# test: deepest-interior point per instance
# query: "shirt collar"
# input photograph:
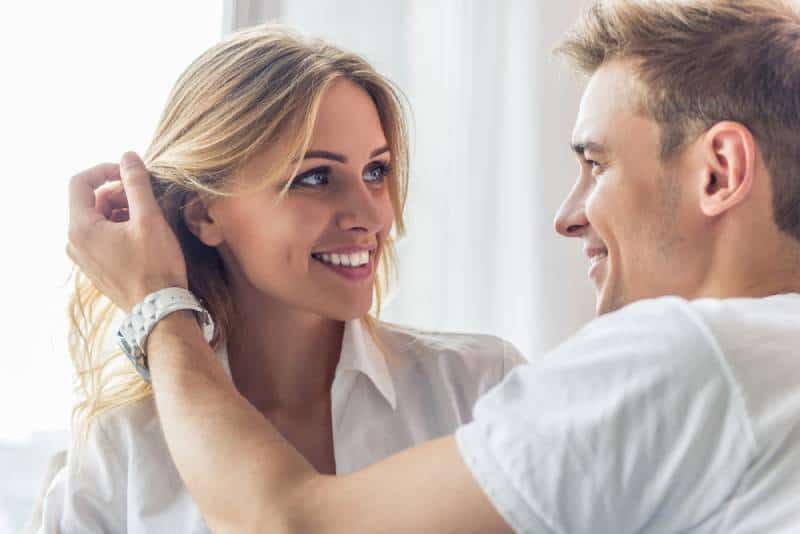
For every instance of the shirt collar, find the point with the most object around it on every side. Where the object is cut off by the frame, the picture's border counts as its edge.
(360, 353)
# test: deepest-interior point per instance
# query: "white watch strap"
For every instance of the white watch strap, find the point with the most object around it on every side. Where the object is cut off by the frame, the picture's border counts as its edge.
(138, 324)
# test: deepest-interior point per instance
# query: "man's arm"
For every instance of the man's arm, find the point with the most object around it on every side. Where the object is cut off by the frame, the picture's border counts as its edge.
(246, 478)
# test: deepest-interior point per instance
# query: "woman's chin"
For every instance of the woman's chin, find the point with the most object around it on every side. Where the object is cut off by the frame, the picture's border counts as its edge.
(349, 311)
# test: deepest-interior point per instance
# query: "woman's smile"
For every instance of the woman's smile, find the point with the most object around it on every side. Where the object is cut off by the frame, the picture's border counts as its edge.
(351, 263)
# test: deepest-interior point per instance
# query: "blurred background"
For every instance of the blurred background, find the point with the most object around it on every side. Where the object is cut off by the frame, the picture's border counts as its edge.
(492, 115)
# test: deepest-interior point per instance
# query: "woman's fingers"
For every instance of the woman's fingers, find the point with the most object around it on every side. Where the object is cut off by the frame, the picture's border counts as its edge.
(119, 215)
(125, 261)
(109, 197)
(136, 181)
(82, 191)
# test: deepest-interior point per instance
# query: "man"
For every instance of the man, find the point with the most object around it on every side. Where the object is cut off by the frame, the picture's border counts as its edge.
(671, 414)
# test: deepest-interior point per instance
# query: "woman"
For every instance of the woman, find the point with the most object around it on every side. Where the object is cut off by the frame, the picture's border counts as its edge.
(281, 165)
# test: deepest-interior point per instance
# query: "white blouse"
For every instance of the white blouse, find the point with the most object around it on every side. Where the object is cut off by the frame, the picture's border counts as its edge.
(421, 386)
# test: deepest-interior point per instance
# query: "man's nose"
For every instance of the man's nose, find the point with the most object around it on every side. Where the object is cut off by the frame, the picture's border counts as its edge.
(571, 218)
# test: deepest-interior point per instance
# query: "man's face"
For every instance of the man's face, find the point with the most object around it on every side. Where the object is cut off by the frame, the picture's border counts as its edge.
(634, 213)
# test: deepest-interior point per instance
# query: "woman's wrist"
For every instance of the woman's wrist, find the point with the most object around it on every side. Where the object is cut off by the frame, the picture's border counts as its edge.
(178, 329)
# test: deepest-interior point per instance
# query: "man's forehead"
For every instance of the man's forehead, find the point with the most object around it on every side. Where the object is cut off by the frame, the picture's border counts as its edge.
(609, 101)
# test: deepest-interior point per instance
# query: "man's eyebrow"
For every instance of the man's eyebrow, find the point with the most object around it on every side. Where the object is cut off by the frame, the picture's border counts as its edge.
(579, 147)
(341, 158)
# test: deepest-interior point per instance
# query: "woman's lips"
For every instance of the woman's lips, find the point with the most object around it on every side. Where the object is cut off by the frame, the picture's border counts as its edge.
(355, 274)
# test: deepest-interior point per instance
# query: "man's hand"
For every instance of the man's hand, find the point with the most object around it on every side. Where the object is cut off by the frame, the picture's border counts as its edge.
(119, 237)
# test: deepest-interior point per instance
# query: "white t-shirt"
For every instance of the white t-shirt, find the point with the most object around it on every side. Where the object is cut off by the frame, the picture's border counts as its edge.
(420, 387)
(667, 416)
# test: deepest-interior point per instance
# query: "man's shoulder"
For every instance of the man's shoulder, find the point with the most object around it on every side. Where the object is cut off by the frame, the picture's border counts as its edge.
(704, 323)
(659, 326)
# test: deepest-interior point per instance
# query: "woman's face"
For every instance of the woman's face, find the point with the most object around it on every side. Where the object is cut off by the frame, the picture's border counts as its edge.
(315, 248)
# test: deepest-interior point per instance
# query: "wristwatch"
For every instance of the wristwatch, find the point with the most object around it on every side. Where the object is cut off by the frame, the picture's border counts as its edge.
(137, 325)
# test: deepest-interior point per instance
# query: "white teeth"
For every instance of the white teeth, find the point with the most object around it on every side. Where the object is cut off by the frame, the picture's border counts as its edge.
(357, 259)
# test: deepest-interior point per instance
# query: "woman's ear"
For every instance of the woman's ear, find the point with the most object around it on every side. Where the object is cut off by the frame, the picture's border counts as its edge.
(199, 221)
(730, 157)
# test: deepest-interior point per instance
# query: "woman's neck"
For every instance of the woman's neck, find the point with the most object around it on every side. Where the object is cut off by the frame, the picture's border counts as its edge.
(283, 359)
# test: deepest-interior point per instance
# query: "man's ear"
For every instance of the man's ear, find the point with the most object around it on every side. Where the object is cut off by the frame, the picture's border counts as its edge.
(199, 221)
(730, 155)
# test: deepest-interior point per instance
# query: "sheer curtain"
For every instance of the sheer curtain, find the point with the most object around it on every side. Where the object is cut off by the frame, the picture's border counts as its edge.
(493, 114)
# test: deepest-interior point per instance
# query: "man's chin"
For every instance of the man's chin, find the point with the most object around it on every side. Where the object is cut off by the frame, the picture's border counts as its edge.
(607, 302)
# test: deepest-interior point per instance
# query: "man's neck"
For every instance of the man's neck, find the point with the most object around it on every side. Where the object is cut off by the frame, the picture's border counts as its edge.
(768, 265)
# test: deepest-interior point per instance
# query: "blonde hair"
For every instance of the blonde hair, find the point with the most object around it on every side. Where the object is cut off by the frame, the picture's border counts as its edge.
(258, 87)
(706, 61)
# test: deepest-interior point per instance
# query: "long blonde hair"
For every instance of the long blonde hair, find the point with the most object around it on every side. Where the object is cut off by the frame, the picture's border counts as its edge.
(260, 86)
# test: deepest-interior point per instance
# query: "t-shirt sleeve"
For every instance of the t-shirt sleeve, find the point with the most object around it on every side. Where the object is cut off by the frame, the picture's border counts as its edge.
(632, 425)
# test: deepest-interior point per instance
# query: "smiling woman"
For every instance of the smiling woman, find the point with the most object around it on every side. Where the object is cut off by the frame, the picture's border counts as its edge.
(280, 164)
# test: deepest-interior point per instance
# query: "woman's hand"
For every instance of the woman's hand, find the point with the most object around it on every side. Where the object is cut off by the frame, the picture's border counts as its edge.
(119, 237)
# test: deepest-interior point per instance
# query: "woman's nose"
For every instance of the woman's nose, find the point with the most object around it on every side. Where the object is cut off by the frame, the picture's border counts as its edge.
(571, 218)
(362, 210)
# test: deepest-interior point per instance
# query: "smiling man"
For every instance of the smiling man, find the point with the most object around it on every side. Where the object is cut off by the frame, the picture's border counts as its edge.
(676, 410)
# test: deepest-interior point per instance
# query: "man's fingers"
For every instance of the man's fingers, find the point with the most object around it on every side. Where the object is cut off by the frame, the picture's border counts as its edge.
(136, 180)
(82, 187)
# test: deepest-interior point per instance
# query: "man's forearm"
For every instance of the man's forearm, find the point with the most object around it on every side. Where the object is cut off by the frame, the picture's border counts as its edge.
(220, 443)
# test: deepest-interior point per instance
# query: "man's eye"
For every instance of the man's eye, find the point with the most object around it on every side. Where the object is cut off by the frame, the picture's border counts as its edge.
(312, 178)
(595, 166)
(377, 173)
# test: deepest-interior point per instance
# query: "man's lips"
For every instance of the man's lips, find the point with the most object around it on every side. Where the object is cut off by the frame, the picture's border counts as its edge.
(597, 255)
(593, 251)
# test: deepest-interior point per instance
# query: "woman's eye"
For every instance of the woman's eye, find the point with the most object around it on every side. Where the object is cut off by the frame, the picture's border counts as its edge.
(376, 174)
(313, 178)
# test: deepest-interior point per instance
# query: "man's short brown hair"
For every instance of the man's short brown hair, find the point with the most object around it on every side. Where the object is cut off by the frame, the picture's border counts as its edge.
(706, 61)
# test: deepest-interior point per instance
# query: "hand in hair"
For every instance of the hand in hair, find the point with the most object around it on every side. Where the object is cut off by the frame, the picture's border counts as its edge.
(118, 237)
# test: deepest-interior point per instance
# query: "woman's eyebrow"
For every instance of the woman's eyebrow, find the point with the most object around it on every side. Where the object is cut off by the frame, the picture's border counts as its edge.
(341, 158)
(379, 151)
